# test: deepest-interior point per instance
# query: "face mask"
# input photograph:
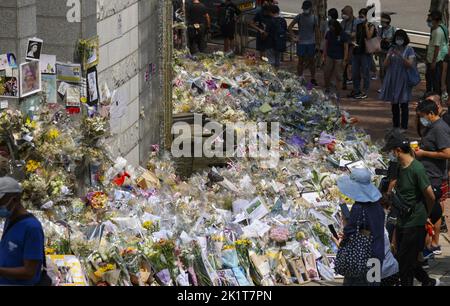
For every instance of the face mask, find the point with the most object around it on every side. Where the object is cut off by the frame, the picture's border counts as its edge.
(384, 24)
(393, 158)
(345, 17)
(429, 24)
(399, 42)
(425, 122)
(362, 19)
(307, 12)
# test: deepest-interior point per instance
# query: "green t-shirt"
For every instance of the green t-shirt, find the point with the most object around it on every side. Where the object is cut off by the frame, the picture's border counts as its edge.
(438, 39)
(411, 184)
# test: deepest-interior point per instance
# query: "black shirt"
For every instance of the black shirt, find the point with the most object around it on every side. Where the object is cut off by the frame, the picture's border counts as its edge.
(446, 118)
(230, 12)
(196, 13)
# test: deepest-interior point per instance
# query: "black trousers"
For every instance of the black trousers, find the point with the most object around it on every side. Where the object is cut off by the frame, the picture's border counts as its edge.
(197, 39)
(434, 78)
(400, 115)
(411, 242)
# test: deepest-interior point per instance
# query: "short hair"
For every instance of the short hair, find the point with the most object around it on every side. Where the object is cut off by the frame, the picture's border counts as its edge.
(428, 107)
(436, 15)
(363, 11)
(404, 35)
(274, 9)
(337, 27)
(386, 16)
(333, 13)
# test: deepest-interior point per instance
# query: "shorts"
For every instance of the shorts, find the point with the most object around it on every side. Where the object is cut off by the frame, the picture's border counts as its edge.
(228, 31)
(306, 50)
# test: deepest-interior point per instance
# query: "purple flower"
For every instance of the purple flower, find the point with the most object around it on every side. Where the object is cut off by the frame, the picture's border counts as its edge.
(298, 141)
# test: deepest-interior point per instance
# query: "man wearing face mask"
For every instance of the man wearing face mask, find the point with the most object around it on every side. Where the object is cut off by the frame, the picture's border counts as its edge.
(22, 243)
(413, 187)
(348, 24)
(436, 52)
(434, 153)
(307, 40)
(386, 34)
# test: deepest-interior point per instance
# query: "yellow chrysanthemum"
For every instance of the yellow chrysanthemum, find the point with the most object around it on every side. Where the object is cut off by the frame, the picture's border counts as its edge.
(32, 166)
(53, 134)
(147, 225)
(50, 251)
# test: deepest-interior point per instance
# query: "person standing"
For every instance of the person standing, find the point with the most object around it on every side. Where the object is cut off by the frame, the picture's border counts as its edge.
(278, 35)
(335, 54)
(396, 88)
(228, 24)
(22, 243)
(414, 190)
(367, 216)
(260, 24)
(307, 39)
(433, 153)
(386, 35)
(436, 52)
(361, 59)
(198, 24)
(348, 24)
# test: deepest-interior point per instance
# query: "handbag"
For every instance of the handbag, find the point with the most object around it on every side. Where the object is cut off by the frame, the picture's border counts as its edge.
(412, 73)
(354, 253)
(373, 45)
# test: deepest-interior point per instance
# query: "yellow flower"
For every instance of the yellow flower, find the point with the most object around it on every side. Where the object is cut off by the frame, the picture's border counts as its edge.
(148, 225)
(243, 242)
(30, 124)
(32, 166)
(50, 251)
(228, 247)
(53, 134)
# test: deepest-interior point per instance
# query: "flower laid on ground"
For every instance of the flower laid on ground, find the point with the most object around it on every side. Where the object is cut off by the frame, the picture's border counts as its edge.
(97, 200)
(52, 134)
(103, 269)
(32, 166)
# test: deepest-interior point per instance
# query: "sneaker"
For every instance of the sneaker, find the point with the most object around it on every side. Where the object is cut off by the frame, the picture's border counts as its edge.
(436, 250)
(428, 254)
(426, 265)
(434, 282)
(314, 82)
(374, 78)
(444, 96)
(379, 91)
(349, 82)
(361, 96)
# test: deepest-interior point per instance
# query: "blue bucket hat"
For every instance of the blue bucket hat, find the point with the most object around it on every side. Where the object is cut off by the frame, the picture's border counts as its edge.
(358, 186)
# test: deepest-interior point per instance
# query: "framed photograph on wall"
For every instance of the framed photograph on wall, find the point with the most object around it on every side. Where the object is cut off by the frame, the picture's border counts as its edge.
(9, 87)
(34, 49)
(30, 78)
(92, 86)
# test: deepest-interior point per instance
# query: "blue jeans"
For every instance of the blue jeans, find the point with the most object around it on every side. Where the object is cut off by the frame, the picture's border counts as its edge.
(361, 65)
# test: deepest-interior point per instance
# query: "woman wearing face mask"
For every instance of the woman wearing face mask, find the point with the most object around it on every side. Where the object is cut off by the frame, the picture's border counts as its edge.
(22, 243)
(396, 88)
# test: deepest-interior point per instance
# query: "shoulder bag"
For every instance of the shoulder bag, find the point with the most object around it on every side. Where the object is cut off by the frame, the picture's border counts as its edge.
(412, 72)
(354, 253)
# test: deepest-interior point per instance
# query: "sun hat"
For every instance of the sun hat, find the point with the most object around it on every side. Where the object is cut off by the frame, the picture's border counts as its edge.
(9, 185)
(358, 186)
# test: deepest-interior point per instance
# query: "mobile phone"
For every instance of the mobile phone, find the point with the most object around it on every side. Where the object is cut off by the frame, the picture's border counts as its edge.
(333, 231)
(345, 211)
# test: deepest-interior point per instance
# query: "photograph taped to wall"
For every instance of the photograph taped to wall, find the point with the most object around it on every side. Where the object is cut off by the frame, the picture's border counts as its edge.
(48, 64)
(30, 78)
(68, 72)
(49, 88)
(8, 61)
(34, 49)
(9, 87)
(92, 86)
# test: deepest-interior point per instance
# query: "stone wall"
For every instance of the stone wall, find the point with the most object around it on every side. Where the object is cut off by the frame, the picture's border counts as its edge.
(131, 47)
